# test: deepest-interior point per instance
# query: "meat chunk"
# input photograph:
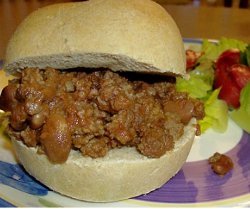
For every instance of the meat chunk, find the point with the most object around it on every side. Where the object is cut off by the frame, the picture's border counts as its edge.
(122, 127)
(155, 142)
(7, 99)
(18, 118)
(96, 147)
(115, 93)
(55, 138)
(220, 163)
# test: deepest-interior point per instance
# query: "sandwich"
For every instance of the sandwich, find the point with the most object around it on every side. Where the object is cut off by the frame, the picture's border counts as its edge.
(93, 110)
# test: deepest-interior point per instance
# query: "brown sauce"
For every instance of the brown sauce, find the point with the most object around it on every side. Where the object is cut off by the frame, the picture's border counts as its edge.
(95, 112)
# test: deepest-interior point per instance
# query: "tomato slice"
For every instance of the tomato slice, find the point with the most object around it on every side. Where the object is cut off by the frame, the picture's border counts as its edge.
(223, 65)
(227, 59)
(230, 91)
(240, 74)
(220, 76)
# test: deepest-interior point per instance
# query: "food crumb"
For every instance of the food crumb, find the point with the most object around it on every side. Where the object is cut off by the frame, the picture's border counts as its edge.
(220, 163)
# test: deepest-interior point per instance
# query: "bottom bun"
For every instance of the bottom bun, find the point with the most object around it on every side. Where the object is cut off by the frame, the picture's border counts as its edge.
(121, 174)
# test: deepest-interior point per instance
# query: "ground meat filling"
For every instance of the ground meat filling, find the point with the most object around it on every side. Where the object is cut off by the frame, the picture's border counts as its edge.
(95, 112)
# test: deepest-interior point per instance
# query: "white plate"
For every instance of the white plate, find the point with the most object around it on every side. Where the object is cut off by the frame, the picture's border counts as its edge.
(194, 185)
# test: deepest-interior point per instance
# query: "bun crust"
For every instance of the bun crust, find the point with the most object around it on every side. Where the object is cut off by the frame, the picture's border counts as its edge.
(127, 35)
(121, 174)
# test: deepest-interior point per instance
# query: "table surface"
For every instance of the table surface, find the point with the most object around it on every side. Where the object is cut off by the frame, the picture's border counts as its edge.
(194, 22)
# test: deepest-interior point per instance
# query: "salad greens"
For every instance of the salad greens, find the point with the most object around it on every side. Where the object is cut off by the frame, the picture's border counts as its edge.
(212, 51)
(242, 115)
(200, 86)
(202, 76)
(216, 114)
(245, 56)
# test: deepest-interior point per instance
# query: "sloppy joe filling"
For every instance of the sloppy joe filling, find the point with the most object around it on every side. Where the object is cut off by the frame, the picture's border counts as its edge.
(94, 112)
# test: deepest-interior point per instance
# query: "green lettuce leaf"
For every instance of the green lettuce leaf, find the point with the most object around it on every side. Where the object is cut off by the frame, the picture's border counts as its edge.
(216, 114)
(212, 50)
(245, 56)
(247, 52)
(190, 86)
(202, 76)
(242, 115)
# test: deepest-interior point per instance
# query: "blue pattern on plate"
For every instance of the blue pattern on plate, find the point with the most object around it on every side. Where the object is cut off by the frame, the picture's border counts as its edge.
(14, 176)
(5, 204)
(192, 41)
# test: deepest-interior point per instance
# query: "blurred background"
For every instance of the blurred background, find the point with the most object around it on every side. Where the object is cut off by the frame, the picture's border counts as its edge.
(215, 3)
(195, 18)
(227, 3)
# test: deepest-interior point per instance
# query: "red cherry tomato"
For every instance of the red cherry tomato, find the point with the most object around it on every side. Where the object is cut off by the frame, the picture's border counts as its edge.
(230, 77)
(227, 59)
(230, 93)
(223, 65)
(240, 74)
(221, 76)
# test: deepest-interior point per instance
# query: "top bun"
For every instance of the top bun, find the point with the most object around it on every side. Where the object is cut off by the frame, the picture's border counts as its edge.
(127, 35)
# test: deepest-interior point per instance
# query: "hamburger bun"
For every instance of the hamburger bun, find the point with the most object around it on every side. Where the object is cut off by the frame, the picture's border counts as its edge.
(121, 174)
(122, 35)
(126, 35)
